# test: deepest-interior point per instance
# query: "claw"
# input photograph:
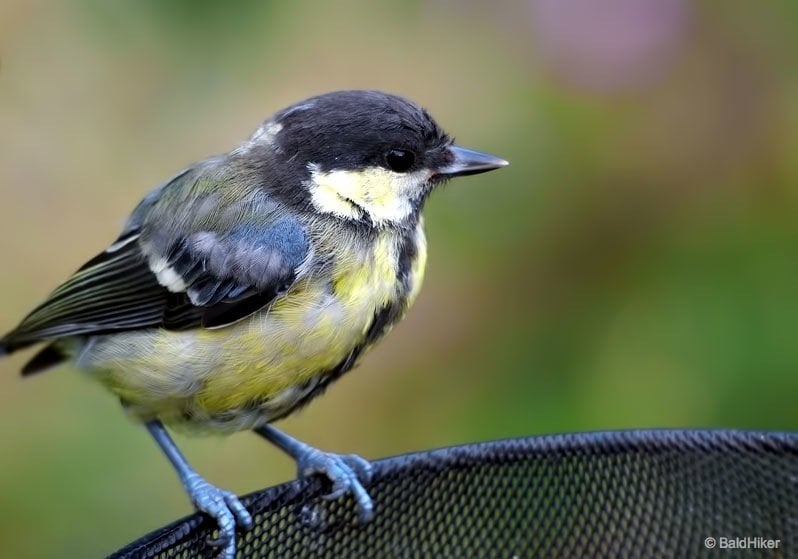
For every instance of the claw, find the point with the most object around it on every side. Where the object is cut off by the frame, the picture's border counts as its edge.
(347, 473)
(224, 507)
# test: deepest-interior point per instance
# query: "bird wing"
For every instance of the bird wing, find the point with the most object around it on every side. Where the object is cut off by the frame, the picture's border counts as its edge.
(197, 252)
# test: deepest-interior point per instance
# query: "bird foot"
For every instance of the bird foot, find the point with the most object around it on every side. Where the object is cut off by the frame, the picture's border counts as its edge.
(348, 473)
(224, 507)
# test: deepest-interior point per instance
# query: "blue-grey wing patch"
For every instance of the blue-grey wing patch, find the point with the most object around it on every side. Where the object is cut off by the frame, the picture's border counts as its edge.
(232, 274)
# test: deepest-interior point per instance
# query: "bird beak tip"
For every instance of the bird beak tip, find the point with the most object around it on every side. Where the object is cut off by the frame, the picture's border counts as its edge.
(465, 161)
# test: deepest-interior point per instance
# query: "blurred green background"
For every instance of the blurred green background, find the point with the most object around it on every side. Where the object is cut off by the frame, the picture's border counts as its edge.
(634, 267)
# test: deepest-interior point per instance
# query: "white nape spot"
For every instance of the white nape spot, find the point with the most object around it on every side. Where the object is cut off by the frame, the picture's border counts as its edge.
(267, 132)
(265, 135)
(121, 244)
(385, 196)
(167, 276)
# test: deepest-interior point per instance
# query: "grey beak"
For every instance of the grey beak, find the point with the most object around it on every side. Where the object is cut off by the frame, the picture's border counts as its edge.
(466, 161)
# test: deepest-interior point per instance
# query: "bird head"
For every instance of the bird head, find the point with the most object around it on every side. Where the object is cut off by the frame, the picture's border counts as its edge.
(364, 156)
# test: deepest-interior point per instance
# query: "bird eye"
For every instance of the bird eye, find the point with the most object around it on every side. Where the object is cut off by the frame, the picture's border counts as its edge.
(400, 160)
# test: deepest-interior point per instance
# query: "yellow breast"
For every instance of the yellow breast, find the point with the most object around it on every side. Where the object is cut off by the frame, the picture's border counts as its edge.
(235, 377)
(305, 333)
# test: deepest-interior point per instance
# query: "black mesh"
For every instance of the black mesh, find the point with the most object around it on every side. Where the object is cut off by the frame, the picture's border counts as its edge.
(616, 494)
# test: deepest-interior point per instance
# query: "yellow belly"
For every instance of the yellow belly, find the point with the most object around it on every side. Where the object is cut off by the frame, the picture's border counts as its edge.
(236, 377)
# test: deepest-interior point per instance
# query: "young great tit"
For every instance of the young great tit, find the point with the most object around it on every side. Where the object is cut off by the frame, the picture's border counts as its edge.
(242, 287)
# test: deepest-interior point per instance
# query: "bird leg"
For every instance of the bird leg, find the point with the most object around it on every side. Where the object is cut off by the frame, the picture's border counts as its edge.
(347, 473)
(223, 506)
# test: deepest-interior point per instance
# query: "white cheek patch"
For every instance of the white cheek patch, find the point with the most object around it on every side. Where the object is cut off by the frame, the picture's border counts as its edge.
(386, 196)
(167, 277)
(326, 198)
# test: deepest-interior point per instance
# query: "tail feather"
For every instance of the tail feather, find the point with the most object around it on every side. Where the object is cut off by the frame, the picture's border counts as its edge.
(48, 357)
(8, 344)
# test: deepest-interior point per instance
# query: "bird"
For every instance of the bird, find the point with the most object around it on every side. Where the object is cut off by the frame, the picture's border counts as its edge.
(243, 286)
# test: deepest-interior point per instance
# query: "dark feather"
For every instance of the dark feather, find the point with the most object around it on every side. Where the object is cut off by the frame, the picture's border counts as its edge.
(117, 292)
(180, 313)
(50, 356)
(223, 314)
